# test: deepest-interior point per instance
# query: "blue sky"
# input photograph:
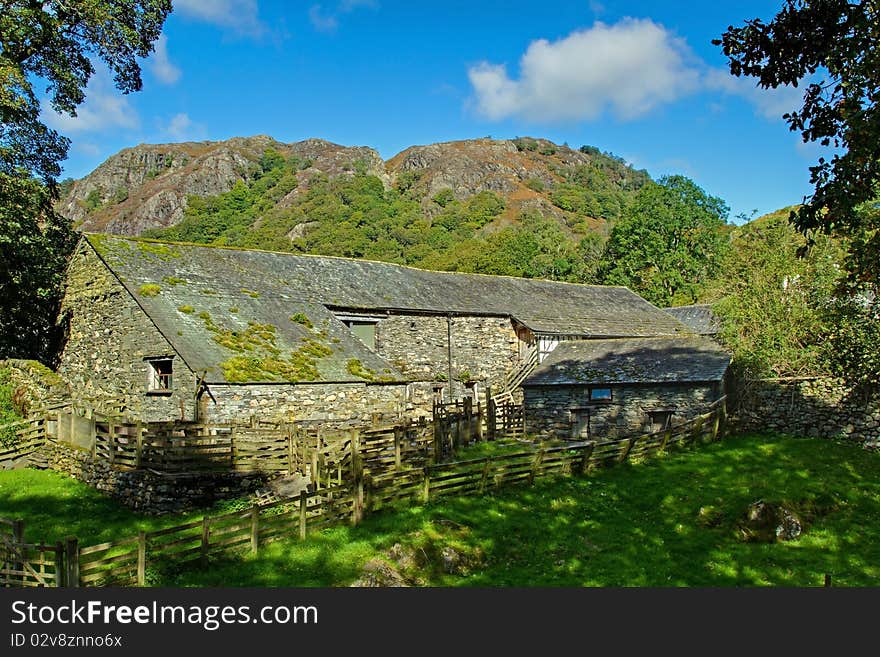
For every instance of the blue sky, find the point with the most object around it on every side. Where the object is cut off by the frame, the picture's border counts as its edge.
(639, 79)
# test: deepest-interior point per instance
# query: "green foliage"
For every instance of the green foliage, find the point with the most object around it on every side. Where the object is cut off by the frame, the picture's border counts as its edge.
(444, 197)
(667, 243)
(93, 202)
(772, 302)
(535, 184)
(355, 216)
(149, 290)
(833, 46)
(853, 346)
(10, 407)
(35, 243)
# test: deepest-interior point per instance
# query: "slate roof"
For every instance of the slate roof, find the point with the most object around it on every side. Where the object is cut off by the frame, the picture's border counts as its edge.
(268, 288)
(632, 360)
(699, 318)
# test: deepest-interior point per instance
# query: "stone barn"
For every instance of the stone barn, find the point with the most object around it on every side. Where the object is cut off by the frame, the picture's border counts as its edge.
(624, 386)
(173, 331)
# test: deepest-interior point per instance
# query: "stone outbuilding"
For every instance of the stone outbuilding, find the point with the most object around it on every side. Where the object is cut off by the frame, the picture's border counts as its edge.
(620, 387)
(698, 317)
(180, 331)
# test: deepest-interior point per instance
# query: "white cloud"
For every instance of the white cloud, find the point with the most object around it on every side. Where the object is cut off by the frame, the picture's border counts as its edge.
(241, 16)
(181, 128)
(768, 103)
(161, 64)
(321, 21)
(628, 69)
(104, 108)
(327, 20)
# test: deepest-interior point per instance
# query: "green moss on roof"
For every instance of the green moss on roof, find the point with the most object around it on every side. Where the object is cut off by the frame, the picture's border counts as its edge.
(187, 310)
(149, 290)
(173, 280)
(250, 293)
(356, 368)
(161, 250)
(300, 318)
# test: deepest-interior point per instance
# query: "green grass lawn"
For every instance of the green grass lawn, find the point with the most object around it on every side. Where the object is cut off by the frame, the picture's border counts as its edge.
(631, 525)
(54, 506)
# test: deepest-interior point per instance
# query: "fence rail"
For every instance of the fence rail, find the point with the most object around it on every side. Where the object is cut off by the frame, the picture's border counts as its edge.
(27, 437)
(131, 561)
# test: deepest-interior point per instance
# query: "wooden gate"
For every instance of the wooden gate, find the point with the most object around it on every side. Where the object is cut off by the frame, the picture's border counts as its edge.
(30, 564)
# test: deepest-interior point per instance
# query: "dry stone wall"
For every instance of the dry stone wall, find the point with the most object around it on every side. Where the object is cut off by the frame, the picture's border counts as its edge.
(150, 492)
(816, 407)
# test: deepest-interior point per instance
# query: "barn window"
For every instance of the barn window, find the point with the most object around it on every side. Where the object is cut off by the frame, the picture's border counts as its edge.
(159, 375)
(366, 331)
(600, 394)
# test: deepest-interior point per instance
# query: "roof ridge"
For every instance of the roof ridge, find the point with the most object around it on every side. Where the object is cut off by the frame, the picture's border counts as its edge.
(227, 247)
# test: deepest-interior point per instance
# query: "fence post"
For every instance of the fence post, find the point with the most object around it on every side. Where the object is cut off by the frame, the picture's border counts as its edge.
(139, 432)
(536, 464)
(303, 507)
(490, 413)
(18, 531)
(588, 452)
(666, 436)
(142, 559)
(255, 528)
(397, 433)
(625, 452)
(291, 466)
(59, 564)
(233, 452)
(71, 561)
(206, 536)
(426, 489)
(697, 429)
(485, 478)
(112, 431)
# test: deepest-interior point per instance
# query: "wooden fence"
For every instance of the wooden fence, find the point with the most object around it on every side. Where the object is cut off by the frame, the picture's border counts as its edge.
(25, 564)
(456, 424)
(29, 435)
(130, 561)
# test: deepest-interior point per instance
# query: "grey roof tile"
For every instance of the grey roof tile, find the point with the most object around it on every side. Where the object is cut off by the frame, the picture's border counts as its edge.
(268, 288)
(632, 360)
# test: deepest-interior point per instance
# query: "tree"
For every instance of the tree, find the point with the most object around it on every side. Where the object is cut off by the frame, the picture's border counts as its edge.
(51, 42)
(834, 46)
(773, 304)
(668, 240)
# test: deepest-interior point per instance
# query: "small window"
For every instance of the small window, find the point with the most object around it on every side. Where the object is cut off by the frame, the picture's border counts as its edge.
(366, 331)
(600, 394)
(660, 420)
(159, 372)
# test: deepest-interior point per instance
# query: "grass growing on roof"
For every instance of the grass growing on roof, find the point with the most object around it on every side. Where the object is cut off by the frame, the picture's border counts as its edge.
(149, 290)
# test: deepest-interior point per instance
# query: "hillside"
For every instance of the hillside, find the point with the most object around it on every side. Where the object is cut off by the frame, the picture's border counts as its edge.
(533, 207)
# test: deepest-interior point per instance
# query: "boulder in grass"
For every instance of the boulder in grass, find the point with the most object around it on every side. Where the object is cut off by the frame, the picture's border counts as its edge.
(767, 522)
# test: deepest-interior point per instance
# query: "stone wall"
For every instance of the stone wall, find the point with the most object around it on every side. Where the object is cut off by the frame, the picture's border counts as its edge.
(108, 338)
(565, 411)
(35, 384)
(815, 407)
(483, 348)
(331, 403)
(147, 491)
